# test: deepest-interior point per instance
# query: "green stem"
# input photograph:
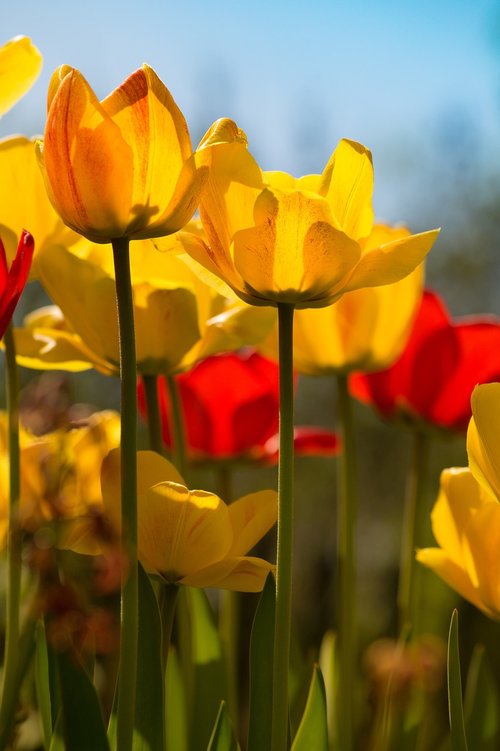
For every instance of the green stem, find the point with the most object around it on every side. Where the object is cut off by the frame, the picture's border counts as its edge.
(15, 537)
(282, 626)
(414, 519)
(177, 427)
(153, 413)
(168, 602)
(10, 696)
(347, 516)
(129, 595)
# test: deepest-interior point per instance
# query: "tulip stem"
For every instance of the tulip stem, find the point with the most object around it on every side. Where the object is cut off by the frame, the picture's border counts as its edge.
(347, 516)
(129, 595)
(177, 423)
(167, 603)
(282, 627)
(414, 517)
(15, 537)
(153, 413)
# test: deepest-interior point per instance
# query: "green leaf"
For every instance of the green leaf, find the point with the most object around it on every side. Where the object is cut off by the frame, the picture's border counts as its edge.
(261, 670)
(11, 691)
(175, 705)
(455, 707)
(328, 664)
(150, 703)
(57, 742)
(482, 704)
(209, 686)
(42, 682)
(83, 725)
(313, 728)
(222, 737)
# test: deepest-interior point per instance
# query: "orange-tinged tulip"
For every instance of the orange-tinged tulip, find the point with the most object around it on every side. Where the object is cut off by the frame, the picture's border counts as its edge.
(466, 516)
(20, 66)
(191, 536)
(276, 239)
(122, 167)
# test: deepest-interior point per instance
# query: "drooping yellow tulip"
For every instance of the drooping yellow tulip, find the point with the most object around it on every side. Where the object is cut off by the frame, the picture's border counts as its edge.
(191, 536)
(276, 239)
(365, 330)
(178, 318)
(466, 516)
(20, 66)
(60, 476)
(122, 167)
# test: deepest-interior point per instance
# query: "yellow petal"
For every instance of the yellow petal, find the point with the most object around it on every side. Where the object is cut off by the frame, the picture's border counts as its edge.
(453, 575)
(391, 262)
(293, 253)
(483, 444)
(238, 574)
(251, 517)
(347, 184)
(181, 531)
(483, 535)
(20, 66)
(459, 499)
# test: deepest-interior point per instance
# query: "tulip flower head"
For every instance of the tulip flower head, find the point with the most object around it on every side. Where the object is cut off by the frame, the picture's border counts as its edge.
(20, 65)
(191, 536)
(122, 167)
(12, 280)
(432, 381)
(276, 239)
(230, 404)
(466, 516)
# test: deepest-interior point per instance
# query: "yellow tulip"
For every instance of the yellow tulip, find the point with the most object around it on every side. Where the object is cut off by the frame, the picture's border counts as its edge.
(365, 330)
(24, 202)
(276, 239)
(20, 66)
(178, 318)
(122, 167)
(60, 476)
(191, 536)
(466, 516)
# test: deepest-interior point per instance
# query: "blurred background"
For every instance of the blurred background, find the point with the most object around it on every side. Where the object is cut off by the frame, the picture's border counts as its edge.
(418, 83)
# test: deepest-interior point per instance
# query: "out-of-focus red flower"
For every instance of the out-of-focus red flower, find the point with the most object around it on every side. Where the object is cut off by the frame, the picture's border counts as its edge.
(433, 379)
(12, 280)
(230, 404)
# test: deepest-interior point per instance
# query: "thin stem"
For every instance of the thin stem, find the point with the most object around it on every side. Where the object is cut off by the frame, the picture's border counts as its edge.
(177, 427)
(153, 413)
(129, 595)
(347, 516)
(15, 537)
(282, 626)
(168, 602)
(414, 518)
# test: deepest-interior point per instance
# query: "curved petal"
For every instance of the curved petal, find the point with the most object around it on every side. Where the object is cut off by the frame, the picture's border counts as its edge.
(181, 531)
(347, 184)
(49, 349)
(20, 66)
(251, 517)
(238, 574)
(483, 537)
(483, 443)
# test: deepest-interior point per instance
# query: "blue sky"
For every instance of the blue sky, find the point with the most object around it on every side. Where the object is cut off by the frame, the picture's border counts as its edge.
(296, 76)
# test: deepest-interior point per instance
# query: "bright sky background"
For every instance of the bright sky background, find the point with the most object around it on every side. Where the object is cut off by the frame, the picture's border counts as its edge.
(411, 80)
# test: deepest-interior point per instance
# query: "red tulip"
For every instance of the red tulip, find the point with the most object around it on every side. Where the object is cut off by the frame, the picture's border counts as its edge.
(231, 410)
(12, 280)
(433, 379)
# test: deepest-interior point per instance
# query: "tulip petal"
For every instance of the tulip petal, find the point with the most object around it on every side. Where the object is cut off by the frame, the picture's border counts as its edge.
(181, 531)
(391, 262)
(293, 252)
(483, 447)
(20, 66)
(239, 574)
(483, 537)
(251, 517)
(347, 184)
(49, 349)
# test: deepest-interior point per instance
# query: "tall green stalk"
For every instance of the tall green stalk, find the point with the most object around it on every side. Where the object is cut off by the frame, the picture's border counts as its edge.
(177, 426)
(282, 627)
(347, 518)
(414, 519)
(15, 532)
(153, 413)
(129, 593)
